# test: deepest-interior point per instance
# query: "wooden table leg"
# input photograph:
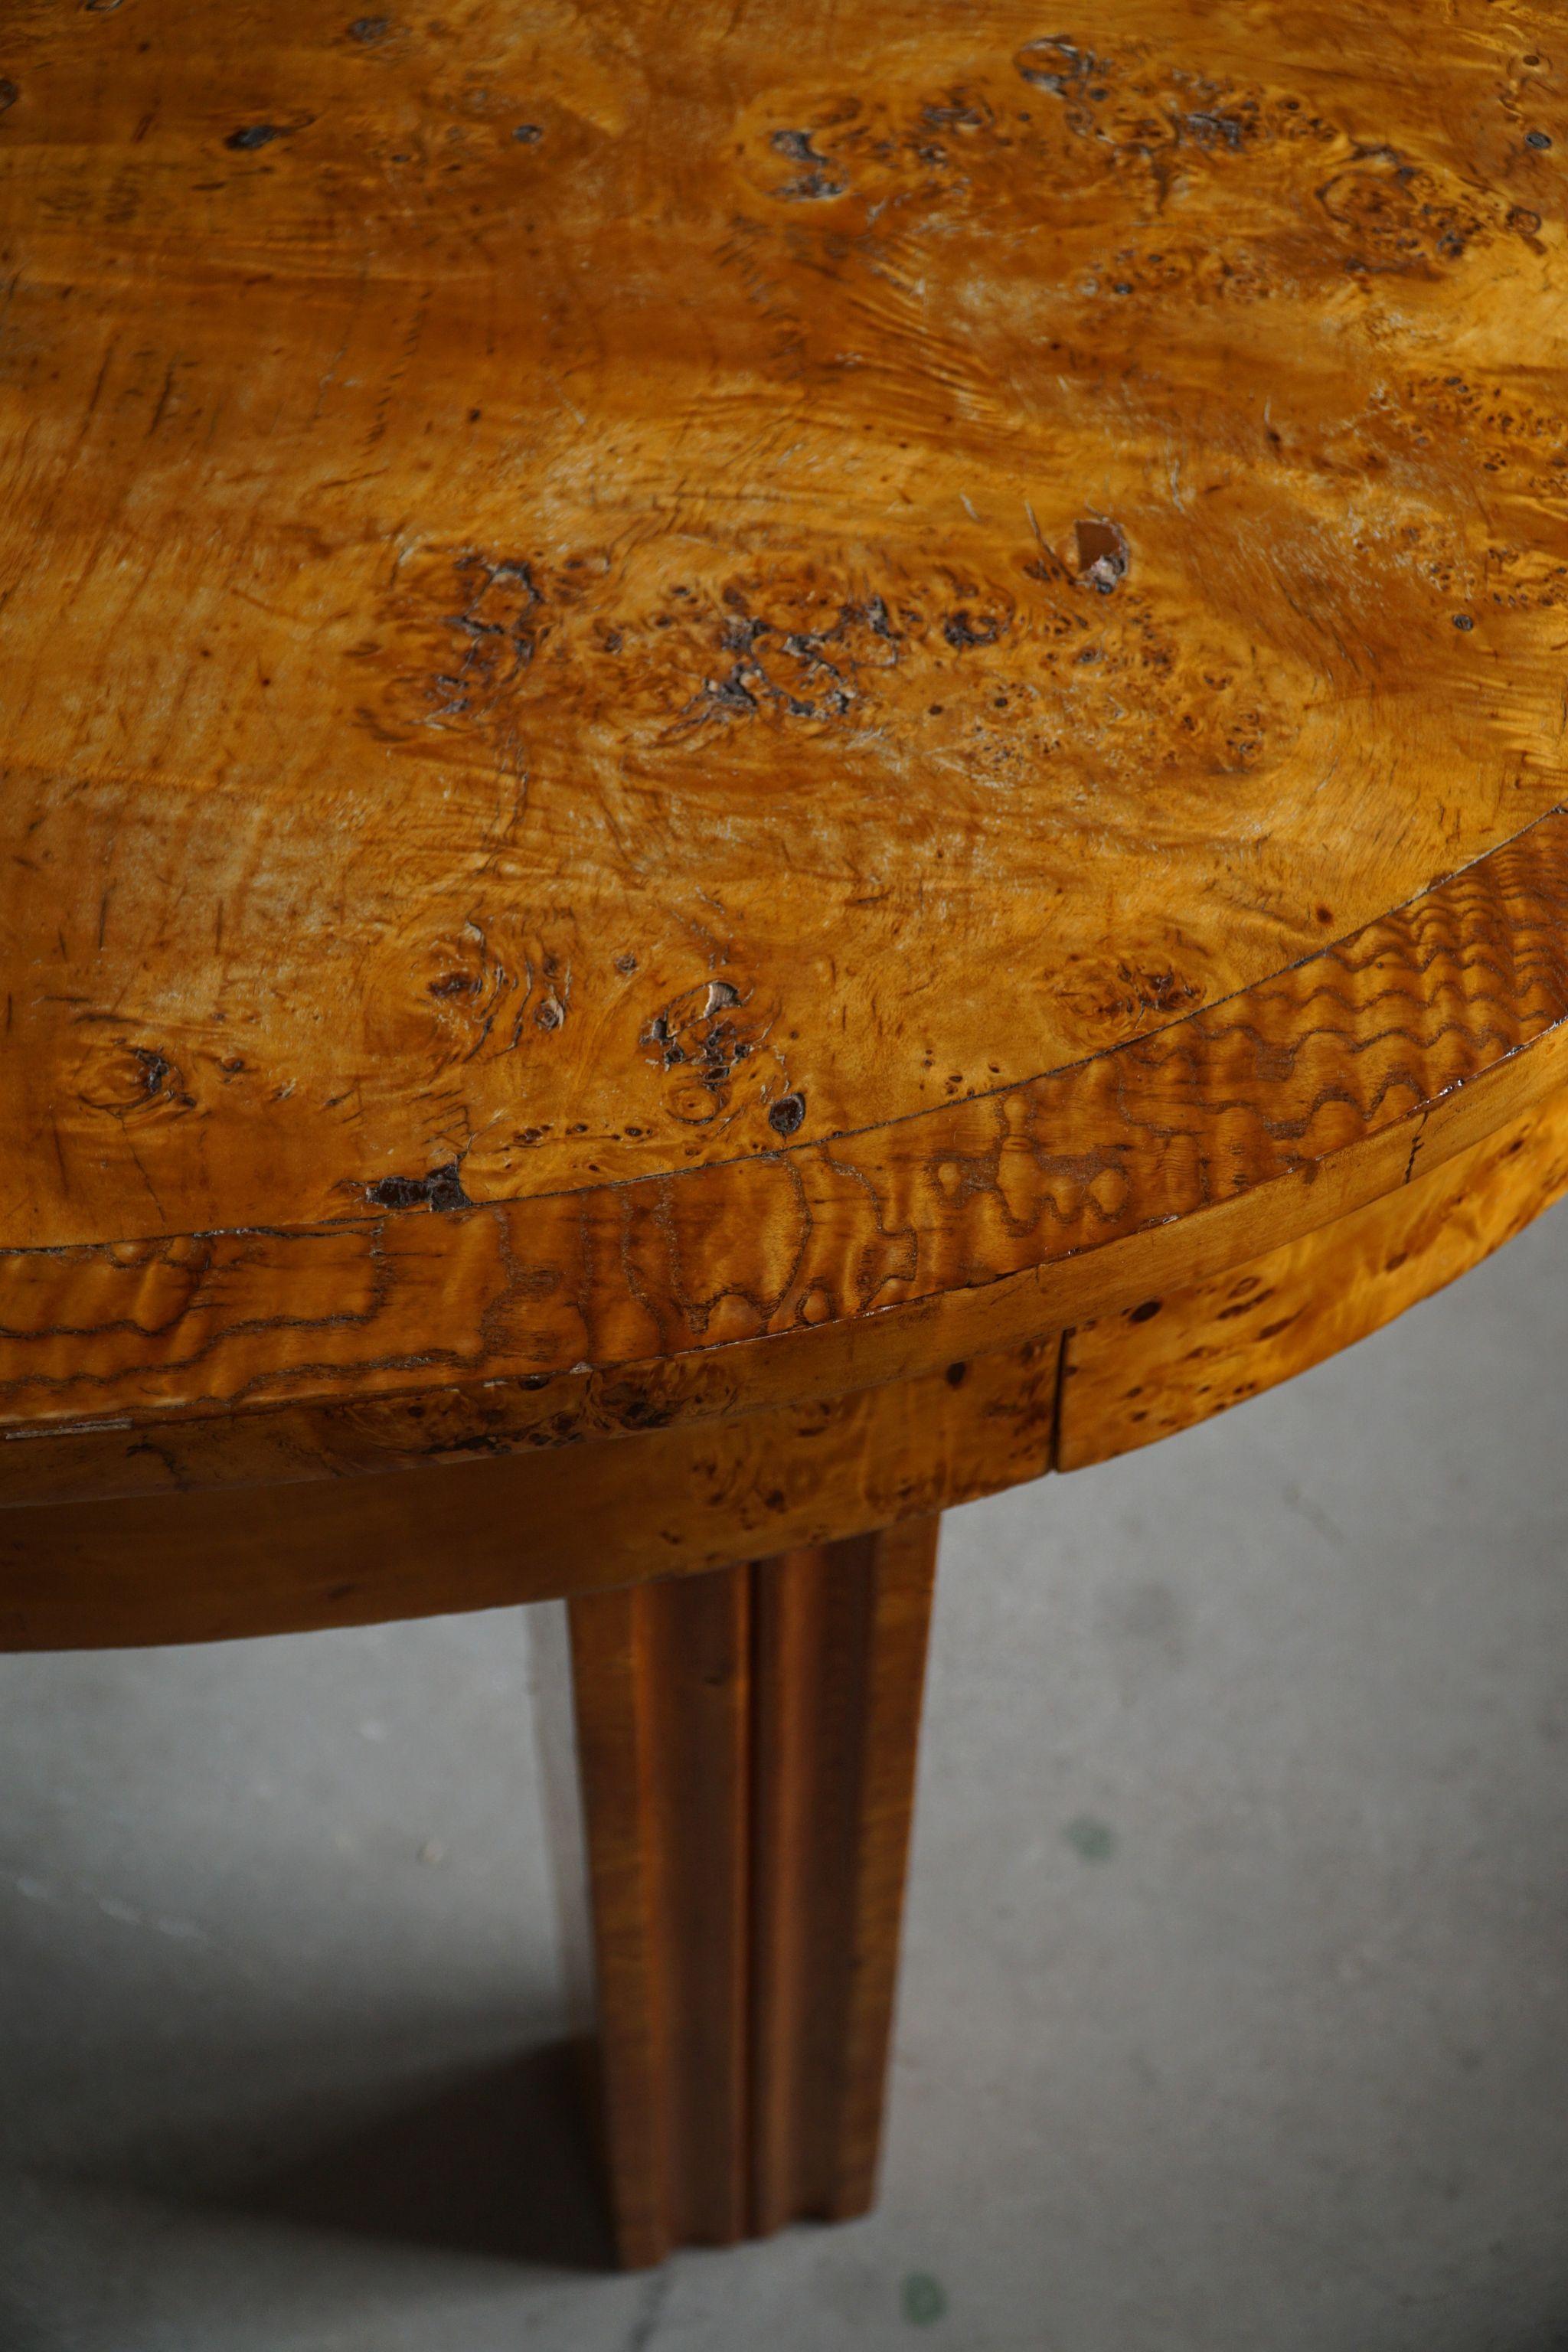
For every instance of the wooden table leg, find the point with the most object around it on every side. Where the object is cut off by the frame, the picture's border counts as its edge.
(747, 1742)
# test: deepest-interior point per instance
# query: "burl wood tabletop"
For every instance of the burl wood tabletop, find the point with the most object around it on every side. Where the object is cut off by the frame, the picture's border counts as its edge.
(704, 704)
(765, 764)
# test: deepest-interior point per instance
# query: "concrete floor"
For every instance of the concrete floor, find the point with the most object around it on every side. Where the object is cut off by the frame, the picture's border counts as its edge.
(1236, 2002)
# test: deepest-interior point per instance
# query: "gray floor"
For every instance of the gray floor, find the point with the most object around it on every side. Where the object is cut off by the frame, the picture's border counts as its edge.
(1236, 2004)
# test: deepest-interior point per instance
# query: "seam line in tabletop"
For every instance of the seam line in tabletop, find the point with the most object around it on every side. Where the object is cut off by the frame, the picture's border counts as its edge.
(796, 1152)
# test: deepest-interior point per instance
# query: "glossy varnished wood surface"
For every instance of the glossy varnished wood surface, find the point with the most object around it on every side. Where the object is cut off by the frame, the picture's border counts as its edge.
(1001, 1218)
(747, 1740)
(1166, 1363)
(526, 1524)
(706, 707)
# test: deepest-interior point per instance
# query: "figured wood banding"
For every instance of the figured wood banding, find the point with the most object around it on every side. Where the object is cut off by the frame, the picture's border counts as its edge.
(702, 717)
(1164, 1364)
(526, 1524)
(763, 765)
(1265, 1115)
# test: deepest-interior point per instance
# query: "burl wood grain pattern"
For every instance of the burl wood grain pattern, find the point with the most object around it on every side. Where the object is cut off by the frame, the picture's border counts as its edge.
(761, 764)
(528, 1525)
(706, 706)
(747, 1740)
(1166, 1363)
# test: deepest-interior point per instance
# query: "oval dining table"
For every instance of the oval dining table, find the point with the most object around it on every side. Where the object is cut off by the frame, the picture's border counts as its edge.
(764, 764)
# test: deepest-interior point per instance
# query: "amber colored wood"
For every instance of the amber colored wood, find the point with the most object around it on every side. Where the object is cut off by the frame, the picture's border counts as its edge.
(748, 1741)
(215, 1565)
(661, 1677)
(1171, 1363)
(994, 1219)
(169, 1452)
(708, 706)
(510, 1527)
(762, 763)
